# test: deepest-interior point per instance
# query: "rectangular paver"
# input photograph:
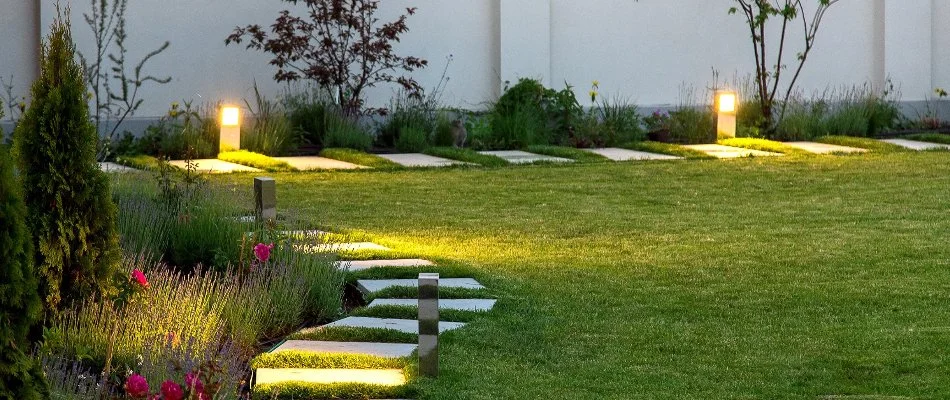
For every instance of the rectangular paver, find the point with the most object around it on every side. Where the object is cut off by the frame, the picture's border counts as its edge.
(368, 264)
(720, 151)
(215, 166)
(419, 160)
(387, 350)
(375, 285)
(523, 157)
(384, 377)
(445, 304)
(917, 145)
(340, 247)
(617, 154)
(401, 325)
(311, 163)
(824, 148)
(113, 167)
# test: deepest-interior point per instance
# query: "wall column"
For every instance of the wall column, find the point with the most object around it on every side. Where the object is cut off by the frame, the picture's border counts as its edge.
(908, 46)
(525, 40)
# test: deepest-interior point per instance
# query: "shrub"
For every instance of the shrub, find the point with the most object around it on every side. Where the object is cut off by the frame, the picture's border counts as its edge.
(186, 133)
(620, 122)
(341, 132)
(20, 304)
(413, 140)
(405, 112)
(71, 214)
(271, 133)
(692, 125)
(308, 112)
(442, 134)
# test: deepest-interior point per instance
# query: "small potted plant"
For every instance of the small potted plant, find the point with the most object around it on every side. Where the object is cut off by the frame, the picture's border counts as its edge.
(658, 126)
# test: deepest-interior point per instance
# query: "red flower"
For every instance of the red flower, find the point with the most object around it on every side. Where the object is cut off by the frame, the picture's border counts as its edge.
(139, 278)
(136, 386)
(193, 384)
(262, 251)
(172, 391)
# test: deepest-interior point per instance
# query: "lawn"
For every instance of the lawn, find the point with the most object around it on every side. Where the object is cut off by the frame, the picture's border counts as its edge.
(753, 278)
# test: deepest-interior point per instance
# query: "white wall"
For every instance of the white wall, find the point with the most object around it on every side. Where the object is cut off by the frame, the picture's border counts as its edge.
(642, 50)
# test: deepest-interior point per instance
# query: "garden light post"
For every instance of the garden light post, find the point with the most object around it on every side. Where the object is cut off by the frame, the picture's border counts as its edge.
(727, 103)
(429, 325)
(230, 128)
(265, 199)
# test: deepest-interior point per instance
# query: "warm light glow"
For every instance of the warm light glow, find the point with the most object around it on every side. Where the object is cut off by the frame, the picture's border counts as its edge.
(382, 377)
(230, 116)
(727, 102)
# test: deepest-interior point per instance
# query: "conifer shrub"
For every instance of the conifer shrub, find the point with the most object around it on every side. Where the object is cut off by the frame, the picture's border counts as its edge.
(70, 210)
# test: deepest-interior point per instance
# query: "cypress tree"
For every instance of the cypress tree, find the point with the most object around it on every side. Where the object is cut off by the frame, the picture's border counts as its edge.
(20, 305)
(70, 210)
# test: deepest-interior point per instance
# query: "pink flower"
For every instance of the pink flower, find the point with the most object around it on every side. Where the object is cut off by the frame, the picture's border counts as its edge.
(262, 251)
(139, 277)
(172, 391)
(194, 384)
(136, 386)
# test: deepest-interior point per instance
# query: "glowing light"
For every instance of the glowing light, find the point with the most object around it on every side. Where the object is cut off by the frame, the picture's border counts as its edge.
(727, 102)
(382, 377)
(230, 116)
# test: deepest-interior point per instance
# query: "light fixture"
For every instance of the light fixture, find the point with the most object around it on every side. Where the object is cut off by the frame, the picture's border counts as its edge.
(727, 105)
(230, 128)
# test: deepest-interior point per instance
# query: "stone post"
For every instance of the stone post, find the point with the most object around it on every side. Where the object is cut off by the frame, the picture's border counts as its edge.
(265, 198)
(429, 325)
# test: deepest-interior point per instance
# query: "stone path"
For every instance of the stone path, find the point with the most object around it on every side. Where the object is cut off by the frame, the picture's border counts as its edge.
(113, 167)
(401, 325)
(917, 145)
(616, 154)
(370, 286)
(824, 148)
(386, 350)
(384, 377)
(720, 151)
(215, 166)
(311, 163)
(354, 266)
(420, 160)
(523, 157)
(445, 304)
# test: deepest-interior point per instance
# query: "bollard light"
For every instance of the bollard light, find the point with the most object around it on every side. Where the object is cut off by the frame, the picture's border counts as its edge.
(727, 105)
(230, 128)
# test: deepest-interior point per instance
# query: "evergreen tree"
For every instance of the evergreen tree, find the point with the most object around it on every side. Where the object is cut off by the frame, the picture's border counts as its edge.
(70, 210)
(20, 304)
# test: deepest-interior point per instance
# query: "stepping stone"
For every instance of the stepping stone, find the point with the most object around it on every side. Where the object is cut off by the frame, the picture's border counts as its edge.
(318, 163)
(523, 157)
(401, 325)
(384, 377)
(419, 160)
(444, 304)
(113, 167)
(375, 285)
(339, 247)
(720, 151)
(387, 350)
(630, 155)
(215, 166)
(916, 145)
(354, 266)
(824, 148)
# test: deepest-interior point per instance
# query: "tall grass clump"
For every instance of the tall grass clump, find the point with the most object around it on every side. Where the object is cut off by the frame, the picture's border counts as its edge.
(188, 132)
(692, 122)
(341, 132)
(847, 111)
(308, 113)
(407, 116)
(271, 132)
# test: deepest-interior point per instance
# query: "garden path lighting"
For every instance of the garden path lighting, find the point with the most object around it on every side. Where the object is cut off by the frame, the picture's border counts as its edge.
(727, 105)
(230, 128)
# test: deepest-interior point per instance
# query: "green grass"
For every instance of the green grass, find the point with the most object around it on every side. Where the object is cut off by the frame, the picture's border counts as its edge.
(467, 155)
(302, 359)
(410, 312)
(302, 390)
(567, 152)
(348, 334)
(359, 158)
(141, 161)
(873, 145)
(930, 137)
(255, 160)
(670, 149)
(765, 145)
(760, 278)
(403, 292)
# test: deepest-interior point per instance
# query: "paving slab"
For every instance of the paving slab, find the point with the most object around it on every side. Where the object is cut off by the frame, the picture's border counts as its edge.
(354, 266)
(375, 285)
(420, 160)
(214, 166)
(523, 157)
(444, 304)
(617, 154)
(401, 325)
(386, 350)
(113, 167)
(384, 377)
(339, 247)
(917, 145)
(824, 148)
(311, 163)
(720, 151)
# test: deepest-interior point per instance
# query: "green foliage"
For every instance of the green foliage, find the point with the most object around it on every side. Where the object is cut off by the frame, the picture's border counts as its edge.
(255, 160)
(876, 146)
(405, 292)
(406, 113)
(359, 158)
(411, 312)
(300, 359)
(142, 162)
(692, 125)
(467, 155)
(513, 130)
(20, 305)
(619, 122)
(412, 140)
(309, 112)
(302, 390)
(764, 145)
(941, 138)
(567, 152)
(349, 334)
(341, 132)
(183, 133)
(442, 136)
(528, 113)
(271, 132)
(71, 215)
(669, 149)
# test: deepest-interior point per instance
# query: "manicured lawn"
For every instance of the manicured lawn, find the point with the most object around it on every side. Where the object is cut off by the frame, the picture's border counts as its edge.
(753, 278)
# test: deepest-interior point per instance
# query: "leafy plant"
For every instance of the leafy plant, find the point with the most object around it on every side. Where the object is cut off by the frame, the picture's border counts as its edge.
(309, 112)
(413, 140)
(345, 133)
(405, 112)
(692, 125)
(271, 133)
(184, 132)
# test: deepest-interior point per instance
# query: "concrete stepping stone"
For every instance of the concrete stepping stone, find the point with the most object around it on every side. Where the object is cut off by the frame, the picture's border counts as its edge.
(312, 163)
(523, 157)
(616, 154)
(386, 350)
(824, 148)
(214, 166)
(374, 285)
(720, 151)
(419, 160)
(113, 167)
(340, 247)
(917, 145)
(354, 266)
(444, 304)
(384, 377)
(401, 325)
